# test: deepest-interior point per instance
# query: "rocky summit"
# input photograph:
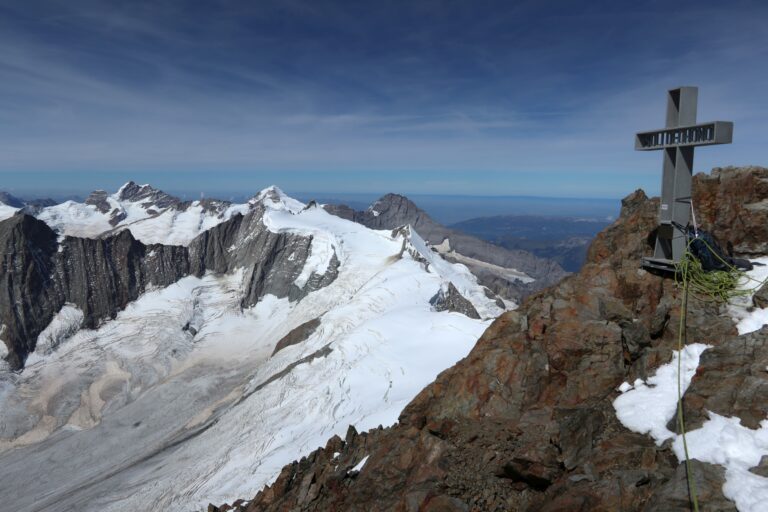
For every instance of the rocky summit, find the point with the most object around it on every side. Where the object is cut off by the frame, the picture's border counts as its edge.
(528, 420)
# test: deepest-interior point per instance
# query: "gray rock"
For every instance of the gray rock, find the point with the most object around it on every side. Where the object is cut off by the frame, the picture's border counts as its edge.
(98, 198)
(101, 276)
(297, 335)
(451, 300)
(762, 468)
(674, 496)
(760, 299)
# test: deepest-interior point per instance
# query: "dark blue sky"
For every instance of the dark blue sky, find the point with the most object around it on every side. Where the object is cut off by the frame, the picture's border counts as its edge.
(476, 97)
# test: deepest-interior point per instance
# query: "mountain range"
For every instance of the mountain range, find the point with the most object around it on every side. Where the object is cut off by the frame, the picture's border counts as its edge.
(569, 402)
(159, 354)
(139, 332)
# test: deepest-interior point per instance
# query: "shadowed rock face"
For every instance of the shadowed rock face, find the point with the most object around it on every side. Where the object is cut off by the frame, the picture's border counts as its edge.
(101, 276)
(451, 300)
(393, 211)
(526, 422)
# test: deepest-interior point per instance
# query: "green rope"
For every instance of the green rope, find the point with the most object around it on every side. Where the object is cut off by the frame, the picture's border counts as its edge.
(682, 340)
(718, 286)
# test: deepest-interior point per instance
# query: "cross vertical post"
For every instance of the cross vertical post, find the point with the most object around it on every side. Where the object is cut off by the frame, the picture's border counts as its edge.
(677, 142)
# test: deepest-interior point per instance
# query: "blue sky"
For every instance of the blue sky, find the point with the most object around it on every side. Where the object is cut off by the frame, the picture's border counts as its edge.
(477, 97)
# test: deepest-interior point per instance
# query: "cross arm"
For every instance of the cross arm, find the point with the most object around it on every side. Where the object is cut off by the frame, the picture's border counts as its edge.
(704, 134)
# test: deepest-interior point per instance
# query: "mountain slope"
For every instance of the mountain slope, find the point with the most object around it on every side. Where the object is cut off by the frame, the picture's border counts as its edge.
(531, 419)
(513, 274)
(156, 404)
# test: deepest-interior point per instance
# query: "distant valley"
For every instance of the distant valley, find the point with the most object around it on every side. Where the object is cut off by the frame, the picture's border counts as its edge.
(562, 239)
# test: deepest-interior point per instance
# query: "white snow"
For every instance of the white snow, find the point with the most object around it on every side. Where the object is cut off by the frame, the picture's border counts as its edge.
(173, 227)
(140, 382)
(647, 408)
(747, 318)
(726, 442)
(273, 197)
(464, 281)
(75, 219)
(7, 211)
(66, 323)
(169, 226)
(360, 464)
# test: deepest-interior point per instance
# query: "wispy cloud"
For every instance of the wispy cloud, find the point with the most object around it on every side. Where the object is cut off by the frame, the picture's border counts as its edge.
(491, 94)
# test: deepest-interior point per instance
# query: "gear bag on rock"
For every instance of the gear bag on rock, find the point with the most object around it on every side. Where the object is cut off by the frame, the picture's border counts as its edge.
(707, 250)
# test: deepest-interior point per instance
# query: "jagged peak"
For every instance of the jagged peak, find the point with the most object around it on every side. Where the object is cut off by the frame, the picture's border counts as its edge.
(134, 193)
(392, 199)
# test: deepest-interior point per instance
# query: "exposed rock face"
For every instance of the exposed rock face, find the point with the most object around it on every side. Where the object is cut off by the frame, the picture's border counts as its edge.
(297, 335)
(101, 276)
(450, 299)
(742, 226)
(146, 195)
(526, 422)
(393, 210)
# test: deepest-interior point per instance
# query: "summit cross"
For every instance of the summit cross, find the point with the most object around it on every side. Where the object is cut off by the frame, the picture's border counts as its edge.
(678, 140)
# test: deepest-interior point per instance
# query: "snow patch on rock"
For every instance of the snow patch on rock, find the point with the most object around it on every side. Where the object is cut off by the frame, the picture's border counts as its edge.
(748, 318)
(647, 407)
(360, 464)
(726, 442)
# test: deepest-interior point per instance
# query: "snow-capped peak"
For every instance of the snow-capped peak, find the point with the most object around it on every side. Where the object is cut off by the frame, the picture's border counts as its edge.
(151, 215)
(189, 371)
(274, 198)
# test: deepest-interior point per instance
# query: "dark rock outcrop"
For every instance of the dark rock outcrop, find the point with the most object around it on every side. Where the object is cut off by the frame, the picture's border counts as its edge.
(451, 299)
(393, 211)
(38, 275)
(100, 276)
(525, 422)
(297, 335)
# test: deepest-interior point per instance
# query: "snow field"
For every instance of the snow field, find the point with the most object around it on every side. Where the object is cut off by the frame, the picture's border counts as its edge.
(143, 414)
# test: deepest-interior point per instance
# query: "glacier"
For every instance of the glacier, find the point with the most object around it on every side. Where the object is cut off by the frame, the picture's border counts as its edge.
(178, 400)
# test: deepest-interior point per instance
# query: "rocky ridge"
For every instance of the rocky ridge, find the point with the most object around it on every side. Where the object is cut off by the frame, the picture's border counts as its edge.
(393, 211)
(40, 274)
(526, 421)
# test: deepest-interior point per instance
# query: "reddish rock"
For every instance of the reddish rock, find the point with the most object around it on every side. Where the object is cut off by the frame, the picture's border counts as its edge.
(525, 422)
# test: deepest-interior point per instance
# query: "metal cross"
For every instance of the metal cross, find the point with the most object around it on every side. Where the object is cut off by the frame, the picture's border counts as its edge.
(678, 140)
